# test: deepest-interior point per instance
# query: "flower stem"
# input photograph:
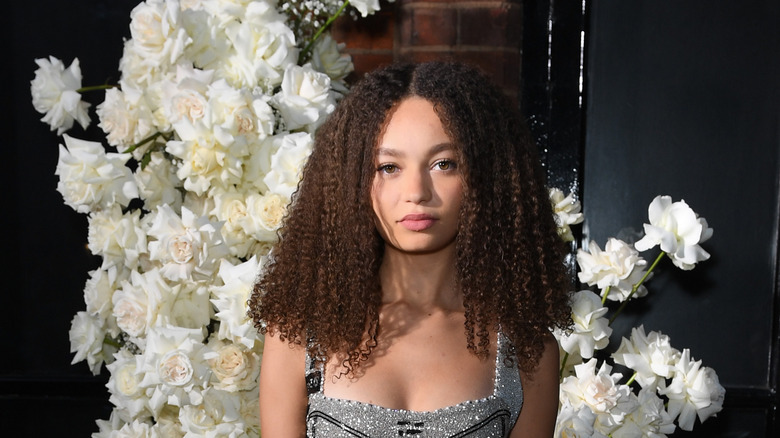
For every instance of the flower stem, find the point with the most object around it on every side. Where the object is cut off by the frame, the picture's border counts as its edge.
(95, 88)
(636, 286)
(304, 55)
(111, 341)
(606, 294)
(631, 380)
(563, 365)
(143, 142)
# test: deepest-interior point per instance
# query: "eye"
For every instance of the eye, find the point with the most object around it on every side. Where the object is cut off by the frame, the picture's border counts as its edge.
(445, 165)
(387, 168)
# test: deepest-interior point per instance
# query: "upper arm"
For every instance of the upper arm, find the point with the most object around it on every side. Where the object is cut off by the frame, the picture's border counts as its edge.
(283, 396)
(540, 396)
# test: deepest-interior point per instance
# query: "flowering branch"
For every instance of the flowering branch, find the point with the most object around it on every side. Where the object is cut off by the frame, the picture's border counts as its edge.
(635, 287)
(306, 52)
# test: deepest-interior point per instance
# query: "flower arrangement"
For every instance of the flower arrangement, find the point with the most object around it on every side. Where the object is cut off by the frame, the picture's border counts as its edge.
(207, 131)
(666, 388)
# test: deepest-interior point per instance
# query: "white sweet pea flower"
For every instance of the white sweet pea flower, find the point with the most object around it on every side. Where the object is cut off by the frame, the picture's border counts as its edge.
(693, 391)
(158, 184)
(91, 179)
(365, 7)
(54, 94)
(651, 356)
(650, 419)
(234, 368)
(305, 98)
(172, 367)
(118, 238)
(188, 247)
(231, 299)
(567, 212)
(327, 57)
(86, 340)
(591, 330)
(601, 391)
(287, 163)
(125, 117)
(678, 230)
(124, 387)
(619, 267)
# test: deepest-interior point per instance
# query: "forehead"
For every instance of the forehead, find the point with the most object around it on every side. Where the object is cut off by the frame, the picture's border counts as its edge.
(414, 123)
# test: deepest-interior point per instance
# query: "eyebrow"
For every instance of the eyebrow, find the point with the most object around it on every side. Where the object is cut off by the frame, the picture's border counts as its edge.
(441, 147)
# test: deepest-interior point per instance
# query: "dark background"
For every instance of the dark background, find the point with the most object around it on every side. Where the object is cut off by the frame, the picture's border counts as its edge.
(679, 98)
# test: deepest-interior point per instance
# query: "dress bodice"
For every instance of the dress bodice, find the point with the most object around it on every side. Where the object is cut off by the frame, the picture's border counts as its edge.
(492, 416)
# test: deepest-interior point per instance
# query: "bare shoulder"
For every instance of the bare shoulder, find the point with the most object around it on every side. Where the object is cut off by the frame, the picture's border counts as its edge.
(283, 395)
(540, 395)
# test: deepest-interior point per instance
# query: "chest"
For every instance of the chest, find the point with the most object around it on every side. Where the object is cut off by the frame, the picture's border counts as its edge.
(420, 367)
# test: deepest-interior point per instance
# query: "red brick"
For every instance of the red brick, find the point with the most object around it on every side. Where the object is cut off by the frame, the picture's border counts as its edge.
(493, 26)
(372, 32)
(424, 26)
(366, 62)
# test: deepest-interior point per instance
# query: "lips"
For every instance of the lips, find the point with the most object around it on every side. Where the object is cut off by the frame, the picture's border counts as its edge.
(417, 222)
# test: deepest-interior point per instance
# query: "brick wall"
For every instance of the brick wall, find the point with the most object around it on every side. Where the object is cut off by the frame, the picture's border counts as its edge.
(486, 33)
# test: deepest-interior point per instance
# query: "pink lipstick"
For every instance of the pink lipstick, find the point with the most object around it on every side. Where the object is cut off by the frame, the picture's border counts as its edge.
(417, 222)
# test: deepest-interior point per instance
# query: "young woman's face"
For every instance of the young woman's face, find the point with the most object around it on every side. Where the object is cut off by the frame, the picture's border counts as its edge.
(417, 189)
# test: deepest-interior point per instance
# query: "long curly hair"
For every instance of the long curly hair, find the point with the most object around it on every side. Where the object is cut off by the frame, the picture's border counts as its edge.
(320, 288)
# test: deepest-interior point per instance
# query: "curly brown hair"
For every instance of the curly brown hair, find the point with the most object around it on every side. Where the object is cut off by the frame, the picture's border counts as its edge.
(321, 283)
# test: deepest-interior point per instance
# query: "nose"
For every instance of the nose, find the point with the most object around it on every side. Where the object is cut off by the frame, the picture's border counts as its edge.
(418, 186)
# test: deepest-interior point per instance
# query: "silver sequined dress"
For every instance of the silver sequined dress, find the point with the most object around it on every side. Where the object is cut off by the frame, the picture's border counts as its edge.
(492, 416)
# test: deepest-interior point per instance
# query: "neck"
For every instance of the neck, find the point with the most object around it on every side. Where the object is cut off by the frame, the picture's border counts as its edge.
(423, 280)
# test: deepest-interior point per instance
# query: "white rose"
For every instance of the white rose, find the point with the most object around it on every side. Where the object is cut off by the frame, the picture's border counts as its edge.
(124, 387)
(575, 422)
(262, 51)
(327, 57)
(54, 94)
(86, 340)
(678, 230)
(234, 369)
(287, 163)
(158, 184)
(91, 179)
(188, 247)
(230, 208)
(258, 163)
(172, 368)
(305, 98)
(191, 307)
(157, 33)
(142, 303)
(618, 268)
(591, 330)
(217, 416)
(230, 300)
(264, 216)
(117, 237)
(125, 117)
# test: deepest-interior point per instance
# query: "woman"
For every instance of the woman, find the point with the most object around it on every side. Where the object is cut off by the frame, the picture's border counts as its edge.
(418, 272)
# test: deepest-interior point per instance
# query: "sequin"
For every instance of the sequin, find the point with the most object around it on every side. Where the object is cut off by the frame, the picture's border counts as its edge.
(492, 416)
